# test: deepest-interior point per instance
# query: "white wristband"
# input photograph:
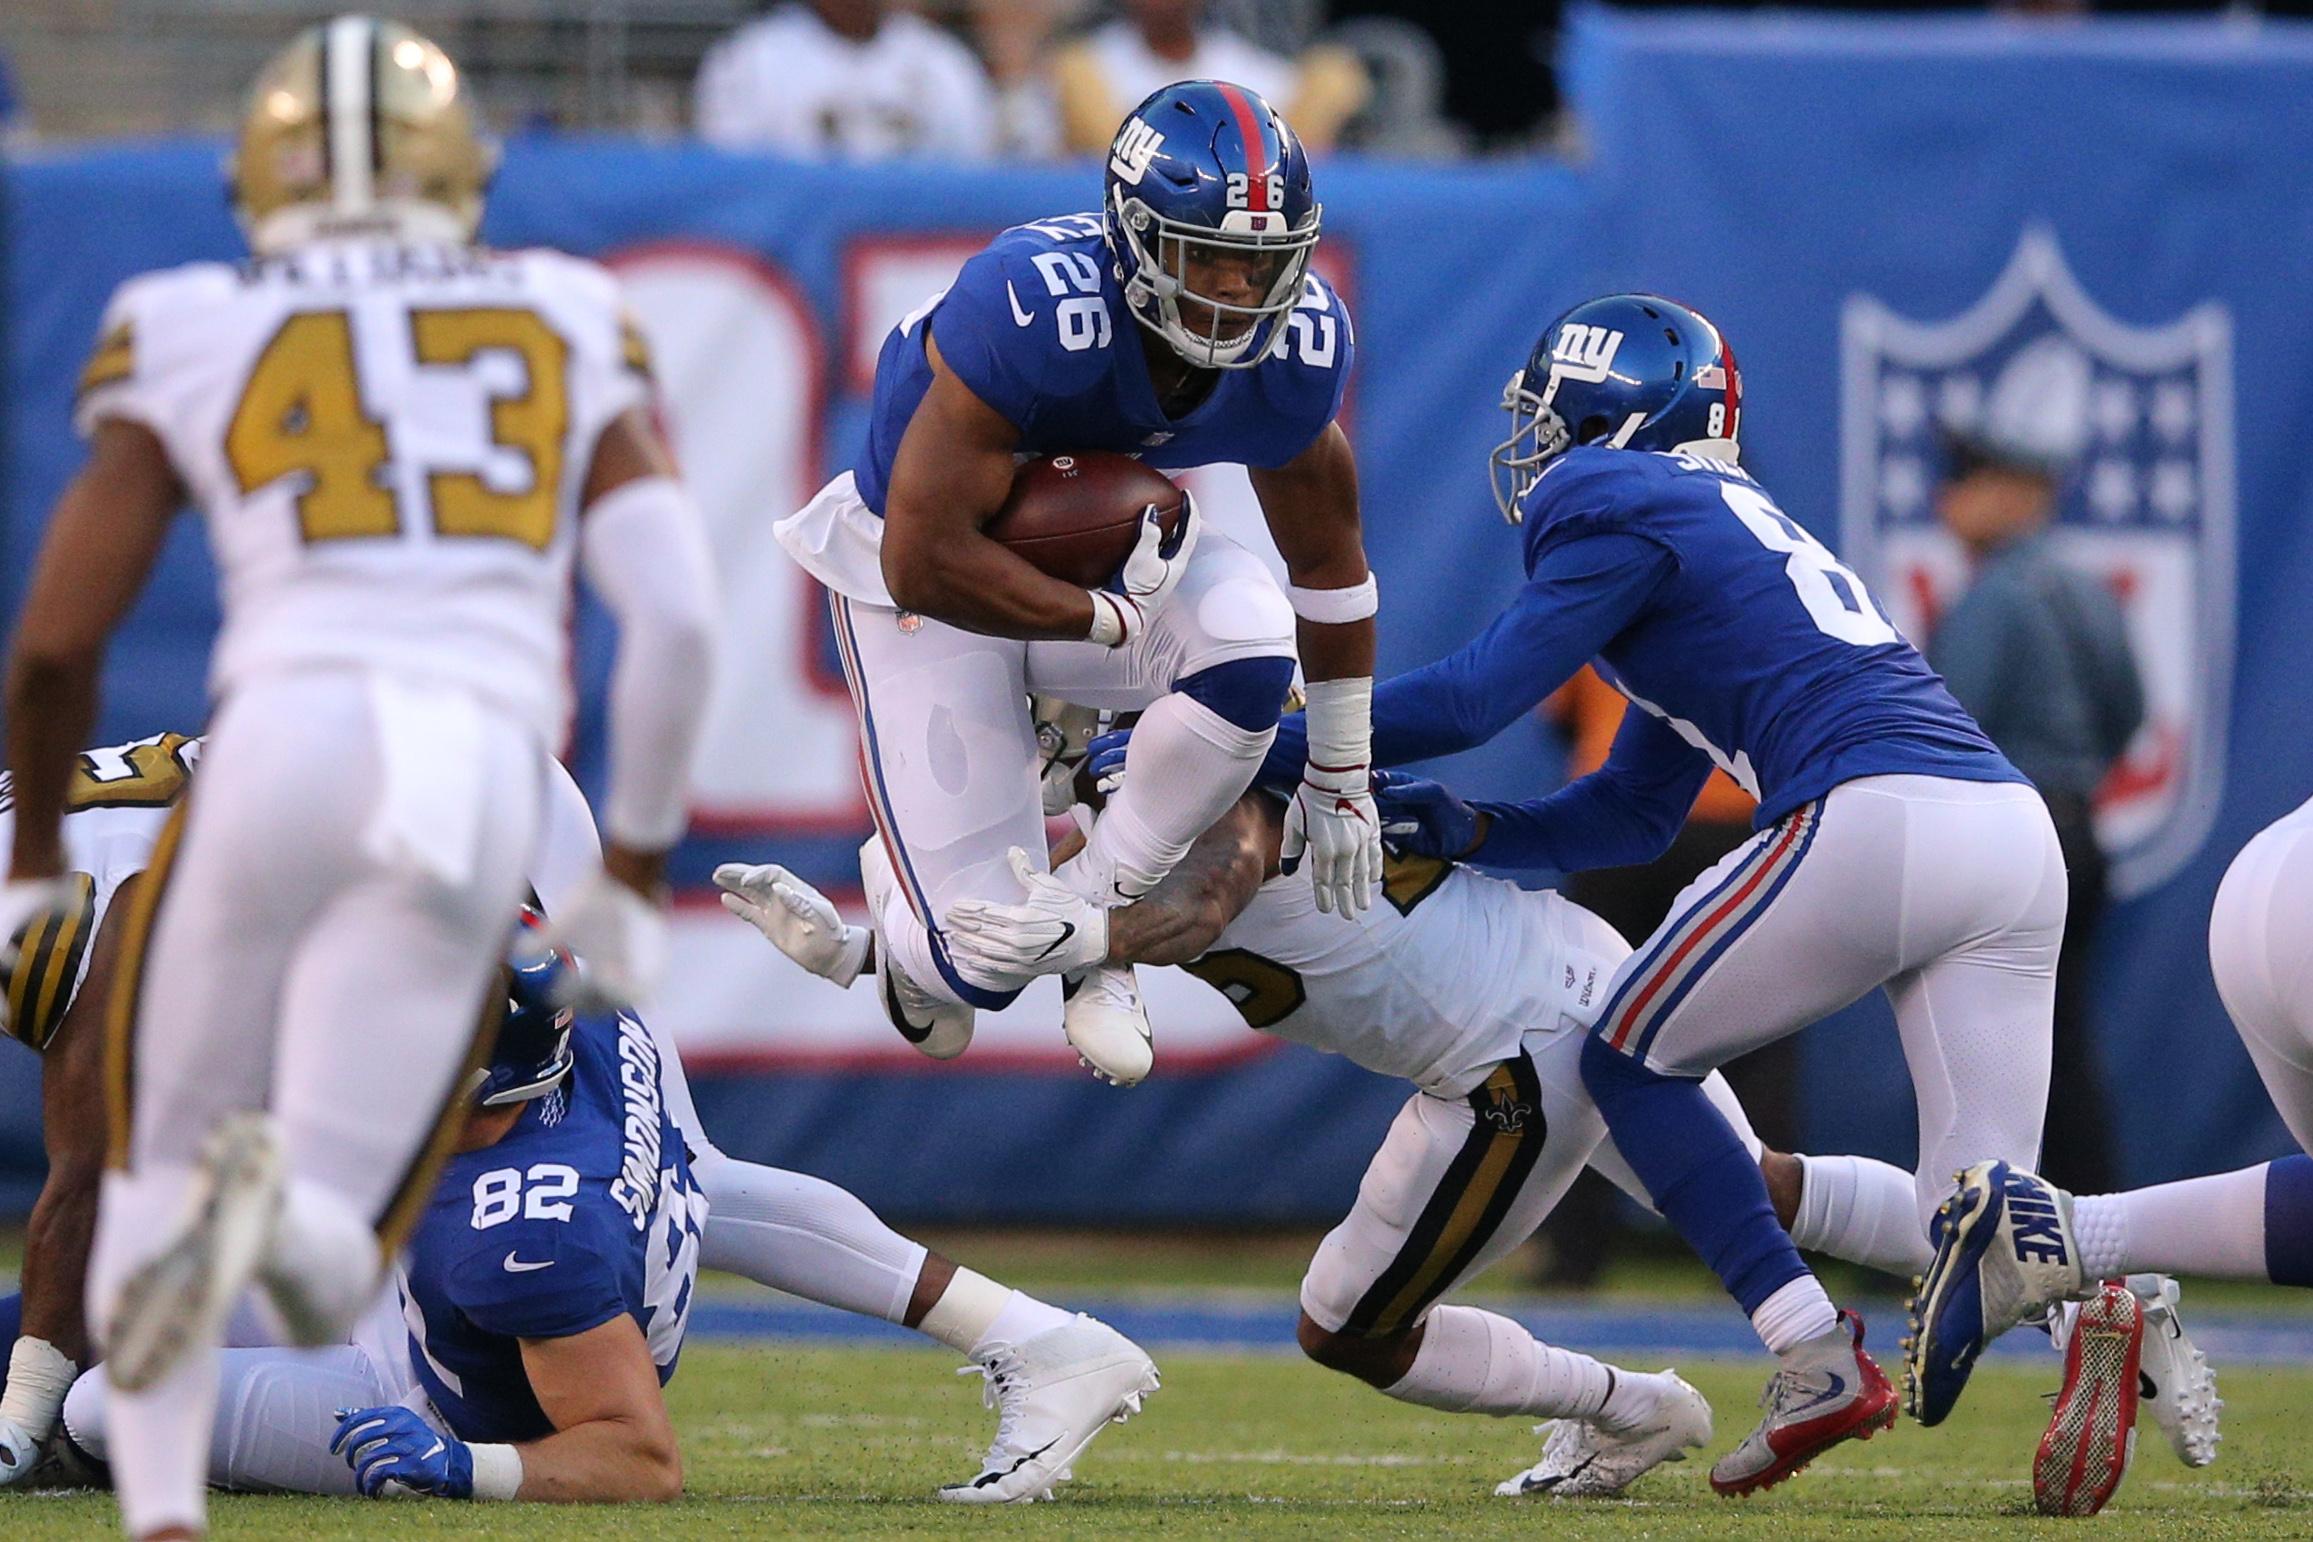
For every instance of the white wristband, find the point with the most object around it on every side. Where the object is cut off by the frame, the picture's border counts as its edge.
(1340, 717)
(497, 1472)
(1108, 628)
(1336, 607)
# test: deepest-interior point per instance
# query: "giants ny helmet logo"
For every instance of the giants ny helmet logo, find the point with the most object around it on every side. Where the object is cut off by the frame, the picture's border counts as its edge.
(1136, 146)
(2137, 423)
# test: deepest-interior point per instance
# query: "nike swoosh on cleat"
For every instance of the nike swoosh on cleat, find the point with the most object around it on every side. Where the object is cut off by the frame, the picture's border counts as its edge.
(1067, 930)
(2144, 1386)
(993, 1476)
(1833, 1393)
(913, 1032)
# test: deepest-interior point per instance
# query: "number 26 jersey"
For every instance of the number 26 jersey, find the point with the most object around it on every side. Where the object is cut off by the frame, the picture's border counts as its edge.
(389, 443)
(1759, 648)
(1036, 326)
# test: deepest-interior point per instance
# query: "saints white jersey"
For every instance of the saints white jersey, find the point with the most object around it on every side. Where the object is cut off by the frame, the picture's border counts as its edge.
(1437, 982)
(389, 443)
(117, 803)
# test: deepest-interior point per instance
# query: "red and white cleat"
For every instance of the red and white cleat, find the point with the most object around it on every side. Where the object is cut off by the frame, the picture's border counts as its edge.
(1828, 1391)
(2092, 1434)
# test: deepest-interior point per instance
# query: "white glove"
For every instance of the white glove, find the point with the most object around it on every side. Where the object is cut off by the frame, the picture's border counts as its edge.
(1058, 931)
(1333, 820)
(21, 899)
(1120, 611)
(620, 940)
(799, 920)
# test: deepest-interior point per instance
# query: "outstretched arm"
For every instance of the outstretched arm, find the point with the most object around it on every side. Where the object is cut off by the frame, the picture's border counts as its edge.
(1624, 813)
(1580, 595)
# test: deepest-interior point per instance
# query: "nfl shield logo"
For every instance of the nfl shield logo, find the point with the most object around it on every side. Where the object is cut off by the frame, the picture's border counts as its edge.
(2144, 417)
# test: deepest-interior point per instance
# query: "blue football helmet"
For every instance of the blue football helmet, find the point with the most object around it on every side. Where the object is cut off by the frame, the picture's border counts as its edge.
(533, 1053)
(1633, 371)
(1207, 186)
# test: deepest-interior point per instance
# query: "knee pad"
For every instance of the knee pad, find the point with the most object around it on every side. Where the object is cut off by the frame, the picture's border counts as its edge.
(1247, 693)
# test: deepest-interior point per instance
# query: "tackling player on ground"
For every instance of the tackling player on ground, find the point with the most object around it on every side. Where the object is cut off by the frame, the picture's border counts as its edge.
(1180, 324)
(403, 443)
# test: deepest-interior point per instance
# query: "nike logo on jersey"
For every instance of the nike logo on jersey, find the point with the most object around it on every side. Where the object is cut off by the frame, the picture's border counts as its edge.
(1019, 316)
(515, 1264)
(1067, 930)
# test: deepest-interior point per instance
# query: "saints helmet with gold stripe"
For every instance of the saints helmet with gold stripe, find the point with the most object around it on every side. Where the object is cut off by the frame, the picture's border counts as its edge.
(359, 126)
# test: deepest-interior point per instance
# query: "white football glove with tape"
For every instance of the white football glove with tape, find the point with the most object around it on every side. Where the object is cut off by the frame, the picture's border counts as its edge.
(1057, 931)
(1122, 607)
(22, 899)
(1332, 823)
(620, 940)
(799, 920)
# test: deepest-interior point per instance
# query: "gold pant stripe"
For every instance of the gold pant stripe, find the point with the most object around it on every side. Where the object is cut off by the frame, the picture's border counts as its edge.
(416, 1188)
(1468, 1205)
(124, 1008)
(40, 988)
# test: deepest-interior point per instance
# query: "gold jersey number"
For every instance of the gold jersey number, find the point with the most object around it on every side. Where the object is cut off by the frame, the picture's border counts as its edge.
(302, 415)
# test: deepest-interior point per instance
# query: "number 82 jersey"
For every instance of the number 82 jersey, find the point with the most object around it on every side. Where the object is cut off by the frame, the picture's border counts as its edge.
(1759, 648)
(389, 442)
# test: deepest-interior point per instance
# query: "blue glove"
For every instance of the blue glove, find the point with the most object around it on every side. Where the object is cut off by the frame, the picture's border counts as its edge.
(1423, 818)
(1104, 760)
(394, 1445)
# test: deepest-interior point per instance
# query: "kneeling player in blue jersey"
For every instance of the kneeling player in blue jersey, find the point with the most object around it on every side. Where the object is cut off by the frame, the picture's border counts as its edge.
(541, 1305)
(1179, 324)
(1897, 848)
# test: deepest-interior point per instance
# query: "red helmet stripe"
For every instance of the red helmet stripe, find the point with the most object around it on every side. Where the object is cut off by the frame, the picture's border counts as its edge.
(1256, 146)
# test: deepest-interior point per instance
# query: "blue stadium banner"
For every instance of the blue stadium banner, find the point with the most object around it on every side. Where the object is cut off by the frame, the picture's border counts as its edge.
(1891, 220)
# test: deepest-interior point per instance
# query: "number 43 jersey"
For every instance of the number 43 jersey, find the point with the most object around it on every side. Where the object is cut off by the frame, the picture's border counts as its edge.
(585, 1212)
(1759, 648)
(389, 443)
(1036, 326)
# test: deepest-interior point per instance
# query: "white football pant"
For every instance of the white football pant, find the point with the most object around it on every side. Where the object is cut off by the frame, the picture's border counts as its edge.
(2261, 949)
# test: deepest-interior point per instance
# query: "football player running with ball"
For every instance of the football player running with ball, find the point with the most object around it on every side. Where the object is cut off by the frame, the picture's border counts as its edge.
(1233, 352)
(1896, 847)
(404, 443)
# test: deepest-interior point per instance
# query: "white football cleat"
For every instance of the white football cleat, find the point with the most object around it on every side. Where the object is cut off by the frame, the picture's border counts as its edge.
(940, 1028)
(1101, 1012)
(1583, 1459)
(1052, 1393)
(2174, 1382)
(180, 1298)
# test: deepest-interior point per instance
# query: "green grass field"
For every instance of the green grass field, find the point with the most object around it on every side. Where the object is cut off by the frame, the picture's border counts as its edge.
(792, 1440)
(798, 1442)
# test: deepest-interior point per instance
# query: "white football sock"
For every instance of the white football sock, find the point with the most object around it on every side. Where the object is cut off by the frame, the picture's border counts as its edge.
(1795, 1313)
(1185, 766)
(323, 1268)
(805, 1236)
(159, 1438)
(2213, 1225)
(1473, 1361)
(1022, 1318)
(1861, 1210)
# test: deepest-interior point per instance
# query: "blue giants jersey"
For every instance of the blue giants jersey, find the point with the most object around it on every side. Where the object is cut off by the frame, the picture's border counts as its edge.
(1036, 325)
(584, 1211)
(1760, 649)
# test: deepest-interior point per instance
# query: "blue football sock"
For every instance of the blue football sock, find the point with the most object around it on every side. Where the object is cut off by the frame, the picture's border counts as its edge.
(1696, 1170)
(11, 1324)
(2289, 1221)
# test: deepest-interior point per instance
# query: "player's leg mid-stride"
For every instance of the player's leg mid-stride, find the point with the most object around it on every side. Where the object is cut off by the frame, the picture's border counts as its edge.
(2004, 1255)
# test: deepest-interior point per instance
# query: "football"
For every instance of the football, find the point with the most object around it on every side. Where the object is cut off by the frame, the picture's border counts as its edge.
(1076, 516)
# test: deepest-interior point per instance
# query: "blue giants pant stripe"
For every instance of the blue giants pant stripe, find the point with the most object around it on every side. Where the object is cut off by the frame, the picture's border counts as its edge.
(1689, 948)
(887, 820)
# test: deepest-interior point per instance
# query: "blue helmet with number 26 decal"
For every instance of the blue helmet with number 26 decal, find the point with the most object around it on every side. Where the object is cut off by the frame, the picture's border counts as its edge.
(1212, 218)
(1631, 371)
